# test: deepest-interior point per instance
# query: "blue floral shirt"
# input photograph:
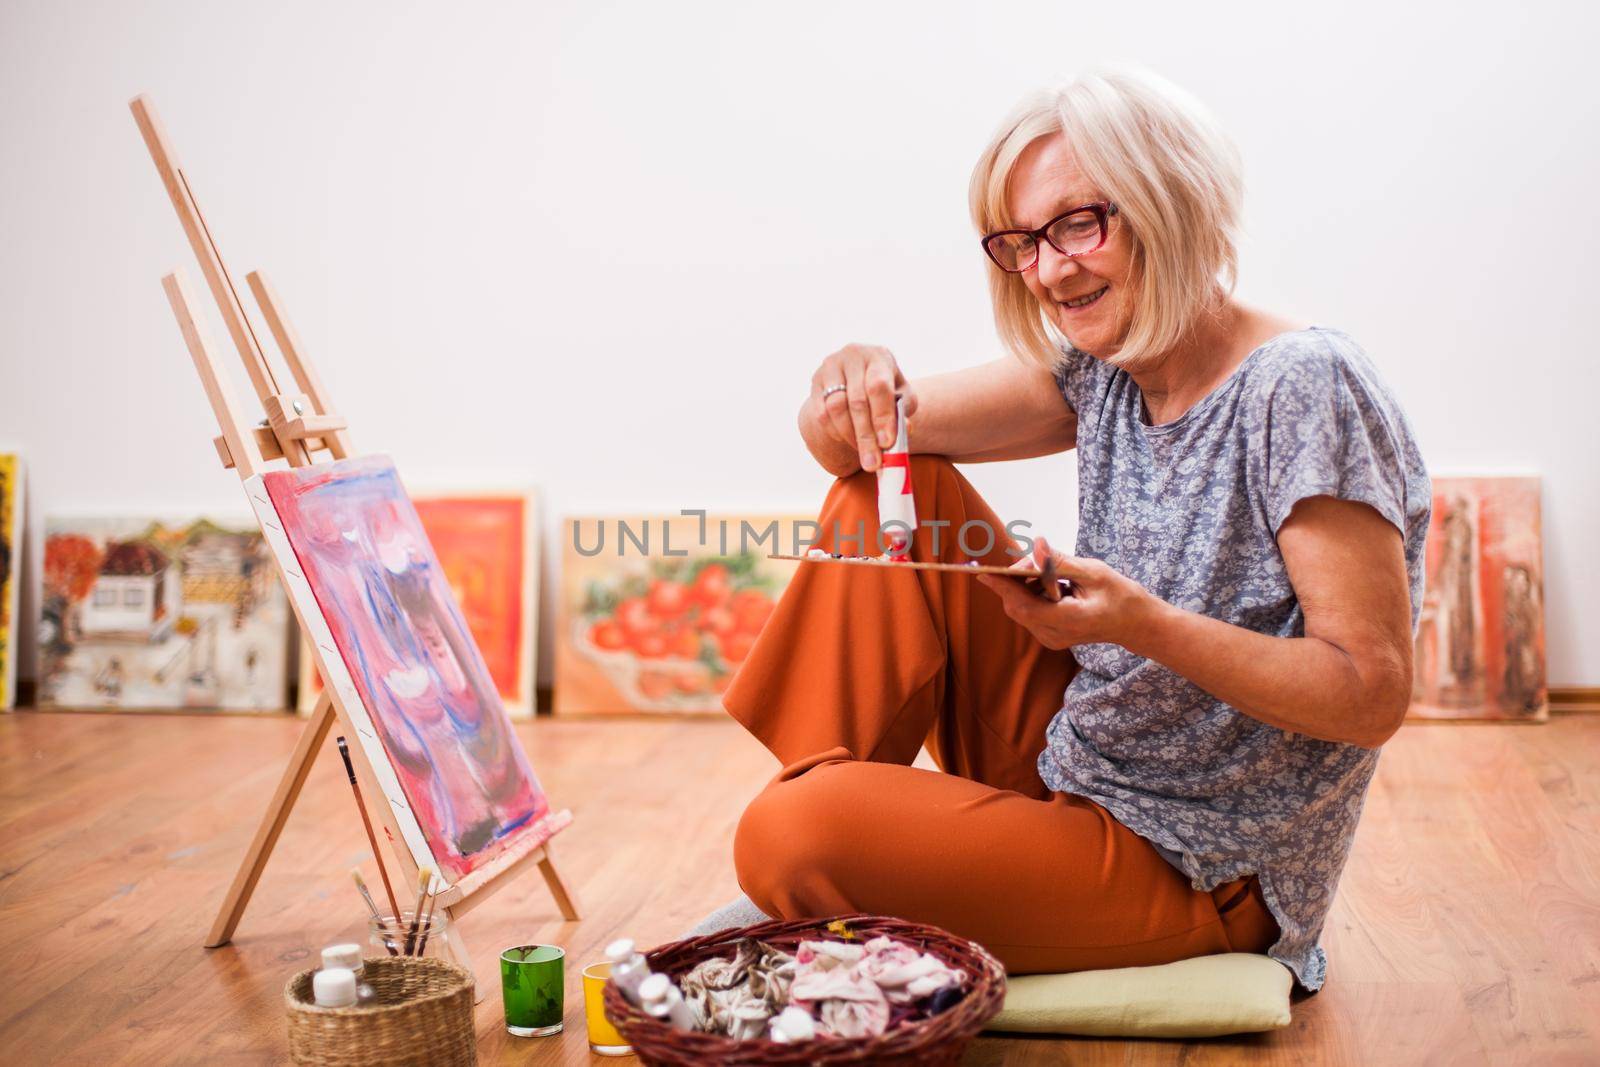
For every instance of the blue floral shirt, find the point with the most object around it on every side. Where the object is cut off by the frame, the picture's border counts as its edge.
(1190, 509)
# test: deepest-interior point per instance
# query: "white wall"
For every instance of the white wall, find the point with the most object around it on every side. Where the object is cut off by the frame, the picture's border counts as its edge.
(601, 246)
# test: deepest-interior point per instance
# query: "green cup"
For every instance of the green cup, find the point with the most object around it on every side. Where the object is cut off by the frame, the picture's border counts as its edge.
(533, 980)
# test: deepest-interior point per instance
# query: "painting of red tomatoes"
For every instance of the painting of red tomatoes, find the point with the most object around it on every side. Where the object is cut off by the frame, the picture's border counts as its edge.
(657, 614)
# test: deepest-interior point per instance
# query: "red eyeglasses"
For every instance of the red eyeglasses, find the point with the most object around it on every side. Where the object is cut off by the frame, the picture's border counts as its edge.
(1072, 233)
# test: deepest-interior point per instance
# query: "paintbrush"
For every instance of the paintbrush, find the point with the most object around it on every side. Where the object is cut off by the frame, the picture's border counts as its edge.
(361, 885)
(424, 879)
(377, 857)
(427, 922)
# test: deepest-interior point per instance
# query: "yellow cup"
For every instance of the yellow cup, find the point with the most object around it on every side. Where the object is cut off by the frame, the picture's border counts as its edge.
(603, 1037)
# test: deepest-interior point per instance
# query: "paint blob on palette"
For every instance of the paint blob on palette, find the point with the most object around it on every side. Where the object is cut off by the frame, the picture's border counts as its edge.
(157, 614)
(409, 656)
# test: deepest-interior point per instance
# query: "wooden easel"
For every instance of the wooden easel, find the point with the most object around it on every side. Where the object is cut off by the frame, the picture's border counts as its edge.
(296, 425)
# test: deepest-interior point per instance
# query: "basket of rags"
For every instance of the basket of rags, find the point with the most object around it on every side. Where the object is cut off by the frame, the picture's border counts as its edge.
(420, 1014)
(851, 989)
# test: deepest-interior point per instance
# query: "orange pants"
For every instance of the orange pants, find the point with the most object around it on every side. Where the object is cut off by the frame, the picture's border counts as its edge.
(855, 671)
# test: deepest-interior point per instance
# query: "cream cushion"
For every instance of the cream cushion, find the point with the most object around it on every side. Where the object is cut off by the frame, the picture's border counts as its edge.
(1231, 993)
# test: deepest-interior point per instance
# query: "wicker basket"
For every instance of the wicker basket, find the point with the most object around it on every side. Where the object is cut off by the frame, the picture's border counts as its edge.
(422, 1016)
(936, 1040)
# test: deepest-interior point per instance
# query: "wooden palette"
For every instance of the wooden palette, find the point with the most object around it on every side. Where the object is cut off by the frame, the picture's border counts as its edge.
(918, 565)
(1051, 587)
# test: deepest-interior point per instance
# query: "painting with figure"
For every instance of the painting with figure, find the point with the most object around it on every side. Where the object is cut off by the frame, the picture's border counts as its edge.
(148, 614)
(1480, 642)
(658, 613)
(487, 544)
(403, 647)
(10, 561)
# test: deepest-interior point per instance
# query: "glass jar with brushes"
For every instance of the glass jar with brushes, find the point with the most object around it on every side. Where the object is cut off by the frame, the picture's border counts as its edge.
(409, 936)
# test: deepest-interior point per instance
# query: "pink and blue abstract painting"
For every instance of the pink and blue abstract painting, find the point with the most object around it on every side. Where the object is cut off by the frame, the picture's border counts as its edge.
(410, 657)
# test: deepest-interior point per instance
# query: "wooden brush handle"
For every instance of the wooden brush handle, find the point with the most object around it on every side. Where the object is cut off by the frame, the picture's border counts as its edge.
(372, 838)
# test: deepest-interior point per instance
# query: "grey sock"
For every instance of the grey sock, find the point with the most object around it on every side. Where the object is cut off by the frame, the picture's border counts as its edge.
(736, 912)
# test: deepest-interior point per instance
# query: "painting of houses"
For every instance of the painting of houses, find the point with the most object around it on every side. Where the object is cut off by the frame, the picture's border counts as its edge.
(135, 594)
(152, 615)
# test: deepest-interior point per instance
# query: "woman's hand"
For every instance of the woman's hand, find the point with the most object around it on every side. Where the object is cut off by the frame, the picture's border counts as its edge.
(859, 418)
(1103, 606)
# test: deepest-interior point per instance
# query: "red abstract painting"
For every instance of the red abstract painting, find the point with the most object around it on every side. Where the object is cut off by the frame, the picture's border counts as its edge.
(482, 543)
(1480, 642)
(410, 657)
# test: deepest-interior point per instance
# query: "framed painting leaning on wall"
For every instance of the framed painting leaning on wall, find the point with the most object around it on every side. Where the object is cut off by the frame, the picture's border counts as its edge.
(657, 613)
(154, 615)
(1480, 646)
(10, 561)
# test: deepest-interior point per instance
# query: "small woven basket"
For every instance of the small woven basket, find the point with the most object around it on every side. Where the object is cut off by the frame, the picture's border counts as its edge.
(422, 1015)
(939, 1039)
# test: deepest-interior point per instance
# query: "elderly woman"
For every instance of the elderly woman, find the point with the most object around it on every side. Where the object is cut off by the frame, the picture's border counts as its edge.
(1171, 760)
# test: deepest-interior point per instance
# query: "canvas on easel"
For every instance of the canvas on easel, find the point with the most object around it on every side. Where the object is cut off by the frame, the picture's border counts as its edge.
(386, 628)
(403, 678)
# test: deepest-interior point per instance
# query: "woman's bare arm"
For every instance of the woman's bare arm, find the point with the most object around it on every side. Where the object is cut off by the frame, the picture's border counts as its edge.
(1348, 679)
(995, 411)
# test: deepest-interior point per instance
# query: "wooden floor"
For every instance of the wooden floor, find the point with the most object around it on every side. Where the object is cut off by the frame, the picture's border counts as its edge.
(1467, 928)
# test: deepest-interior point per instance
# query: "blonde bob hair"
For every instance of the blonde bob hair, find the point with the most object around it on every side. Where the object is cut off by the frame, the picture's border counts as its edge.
(1159, 155)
